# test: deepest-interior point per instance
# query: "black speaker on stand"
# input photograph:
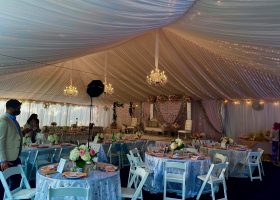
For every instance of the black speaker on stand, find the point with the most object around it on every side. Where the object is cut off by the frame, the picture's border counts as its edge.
(94, 89)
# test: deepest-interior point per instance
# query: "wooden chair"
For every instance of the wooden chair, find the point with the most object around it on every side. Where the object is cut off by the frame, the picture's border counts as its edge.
(174, 177)
(132, 125)
(215, 175)
(23, 191)
(68, 192)
(188, 129)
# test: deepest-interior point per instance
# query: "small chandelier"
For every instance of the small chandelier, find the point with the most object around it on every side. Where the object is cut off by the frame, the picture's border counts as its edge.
(156, 77)
(108, 88)
(71, 90)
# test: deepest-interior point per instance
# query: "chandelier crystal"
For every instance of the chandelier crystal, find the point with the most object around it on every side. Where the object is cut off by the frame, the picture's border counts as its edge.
(71, 90)
(108, 87)
(157, 77)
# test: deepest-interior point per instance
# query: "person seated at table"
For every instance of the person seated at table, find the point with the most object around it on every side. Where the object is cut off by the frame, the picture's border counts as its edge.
(31, 127)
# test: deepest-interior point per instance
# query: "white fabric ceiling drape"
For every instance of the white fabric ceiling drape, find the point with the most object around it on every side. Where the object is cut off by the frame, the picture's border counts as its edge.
(227, 50)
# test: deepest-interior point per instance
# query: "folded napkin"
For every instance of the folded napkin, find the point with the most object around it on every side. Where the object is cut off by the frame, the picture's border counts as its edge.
(197, 157)
(49, 169)
(107, 167)
(74, 174)
(110, 168)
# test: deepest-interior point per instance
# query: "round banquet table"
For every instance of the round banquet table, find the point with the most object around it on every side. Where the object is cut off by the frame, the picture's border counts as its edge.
(194, 168)
(235, 158)
(103, 185)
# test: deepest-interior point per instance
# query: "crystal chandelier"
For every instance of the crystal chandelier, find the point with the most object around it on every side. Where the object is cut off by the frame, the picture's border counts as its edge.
(156, 77)
(71, 90)
(108, 88)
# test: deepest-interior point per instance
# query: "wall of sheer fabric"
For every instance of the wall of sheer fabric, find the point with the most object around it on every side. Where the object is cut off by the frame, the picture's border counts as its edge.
(62, 114)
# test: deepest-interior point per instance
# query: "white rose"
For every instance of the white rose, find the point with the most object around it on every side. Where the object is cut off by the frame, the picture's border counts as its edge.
(173, 146)
(178, 140)
(180, 143)
(86, 156)
(74, 154)
(230, 141)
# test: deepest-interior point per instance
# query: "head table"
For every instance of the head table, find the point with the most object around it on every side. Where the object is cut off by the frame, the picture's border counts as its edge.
(155, 181)
(102, 185)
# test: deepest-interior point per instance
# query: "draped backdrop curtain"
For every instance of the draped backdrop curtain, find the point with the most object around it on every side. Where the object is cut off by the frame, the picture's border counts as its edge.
(212, 110)
(200, 121)
(242, 119)
(62, 114)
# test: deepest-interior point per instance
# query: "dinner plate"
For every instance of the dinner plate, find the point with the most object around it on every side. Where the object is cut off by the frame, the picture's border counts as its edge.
(73, 177)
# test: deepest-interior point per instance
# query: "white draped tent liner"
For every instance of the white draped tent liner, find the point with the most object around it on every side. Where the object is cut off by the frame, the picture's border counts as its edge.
(215, 50)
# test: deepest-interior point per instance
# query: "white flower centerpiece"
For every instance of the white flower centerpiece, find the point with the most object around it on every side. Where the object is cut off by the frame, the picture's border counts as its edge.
(53, 138)
(177, 144)
(225, 141)
(82, 155)
(26, 140)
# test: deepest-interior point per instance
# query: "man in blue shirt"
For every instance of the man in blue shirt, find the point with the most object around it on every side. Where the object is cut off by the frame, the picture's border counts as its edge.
(10, 141)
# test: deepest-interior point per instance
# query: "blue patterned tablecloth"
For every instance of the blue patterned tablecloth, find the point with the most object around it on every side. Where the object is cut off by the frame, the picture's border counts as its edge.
(235, 159)
(102, 185)
(124, 147)
(195, 168)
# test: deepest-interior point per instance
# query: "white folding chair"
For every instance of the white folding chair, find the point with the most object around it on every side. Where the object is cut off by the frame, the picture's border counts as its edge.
(135, 193)
(115, 151)
(215, 175)
(23, 191)
(42, 157)
(68, 192)
(192, 150)
(136, 155)
(132, 168)
(253, 161)
(261, 151)
(64, 152)
(220, 158)
(187, 130)
(170, 176)
(24, 157)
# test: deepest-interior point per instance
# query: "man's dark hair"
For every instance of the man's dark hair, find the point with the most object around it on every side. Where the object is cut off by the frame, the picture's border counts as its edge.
(13, 103)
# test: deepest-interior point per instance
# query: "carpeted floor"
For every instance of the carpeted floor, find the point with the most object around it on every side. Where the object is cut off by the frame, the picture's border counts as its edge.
(238, 188)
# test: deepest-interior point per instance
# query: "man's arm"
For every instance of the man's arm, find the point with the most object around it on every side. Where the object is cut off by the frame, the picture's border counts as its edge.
(3, 138)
